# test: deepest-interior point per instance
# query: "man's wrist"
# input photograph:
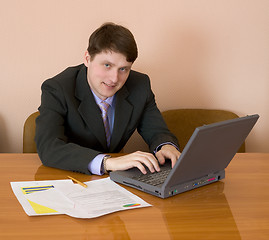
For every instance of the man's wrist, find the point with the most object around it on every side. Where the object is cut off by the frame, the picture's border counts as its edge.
(104, 167)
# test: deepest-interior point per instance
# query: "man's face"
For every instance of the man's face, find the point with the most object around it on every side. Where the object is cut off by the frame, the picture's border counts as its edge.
(107, 72)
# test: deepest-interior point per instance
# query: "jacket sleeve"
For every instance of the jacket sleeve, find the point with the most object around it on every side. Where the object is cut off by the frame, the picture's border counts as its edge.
(152, 126)
(52, 144)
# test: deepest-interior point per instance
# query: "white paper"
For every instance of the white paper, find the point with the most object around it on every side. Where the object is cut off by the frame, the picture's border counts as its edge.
(99, 198)
(32, 209)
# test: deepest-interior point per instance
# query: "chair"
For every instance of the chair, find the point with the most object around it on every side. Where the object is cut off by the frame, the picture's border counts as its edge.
(29, 145)
(182, 122)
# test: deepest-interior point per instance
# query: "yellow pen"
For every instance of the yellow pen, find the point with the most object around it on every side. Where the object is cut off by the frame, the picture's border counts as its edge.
(77, 181)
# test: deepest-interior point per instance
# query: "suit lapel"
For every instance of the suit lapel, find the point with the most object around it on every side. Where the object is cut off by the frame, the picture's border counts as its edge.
(123, 113)
(88, 108)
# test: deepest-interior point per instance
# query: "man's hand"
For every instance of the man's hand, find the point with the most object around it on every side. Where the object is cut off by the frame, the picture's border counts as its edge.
(141, 159)
(168, 152)
(137, 159)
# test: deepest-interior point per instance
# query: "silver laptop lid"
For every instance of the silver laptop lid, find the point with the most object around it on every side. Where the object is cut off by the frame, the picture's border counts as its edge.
(210, 149)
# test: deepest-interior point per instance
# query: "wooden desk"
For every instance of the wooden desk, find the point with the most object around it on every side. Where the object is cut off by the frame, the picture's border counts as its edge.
(235, 208)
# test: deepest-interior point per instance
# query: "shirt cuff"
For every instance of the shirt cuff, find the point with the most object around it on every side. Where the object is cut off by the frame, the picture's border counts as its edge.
(95, 165)
(166, 143)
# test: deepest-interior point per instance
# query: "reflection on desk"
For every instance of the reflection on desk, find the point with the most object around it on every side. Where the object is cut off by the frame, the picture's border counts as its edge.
(234, 208)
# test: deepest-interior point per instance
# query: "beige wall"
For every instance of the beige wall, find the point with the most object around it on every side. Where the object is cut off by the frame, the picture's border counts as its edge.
(198, 53)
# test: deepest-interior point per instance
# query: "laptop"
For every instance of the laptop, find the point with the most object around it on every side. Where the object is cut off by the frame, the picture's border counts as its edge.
(203, 160)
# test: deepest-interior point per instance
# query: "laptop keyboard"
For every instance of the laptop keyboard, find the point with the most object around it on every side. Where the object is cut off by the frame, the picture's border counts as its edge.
(155, 178)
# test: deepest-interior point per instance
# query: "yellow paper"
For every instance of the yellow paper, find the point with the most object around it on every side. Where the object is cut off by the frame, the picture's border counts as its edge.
(39, 209)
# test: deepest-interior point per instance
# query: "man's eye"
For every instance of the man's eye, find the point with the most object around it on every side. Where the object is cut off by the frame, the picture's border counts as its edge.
(107, 65)
(123, 69)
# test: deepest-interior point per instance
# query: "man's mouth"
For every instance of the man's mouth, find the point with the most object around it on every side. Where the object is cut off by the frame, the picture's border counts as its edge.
(109, 85)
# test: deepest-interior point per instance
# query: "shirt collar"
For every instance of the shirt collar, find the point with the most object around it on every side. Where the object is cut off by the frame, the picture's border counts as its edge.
(98, 100)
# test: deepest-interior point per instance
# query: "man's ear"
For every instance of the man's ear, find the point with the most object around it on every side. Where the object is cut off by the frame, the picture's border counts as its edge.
(87, 58)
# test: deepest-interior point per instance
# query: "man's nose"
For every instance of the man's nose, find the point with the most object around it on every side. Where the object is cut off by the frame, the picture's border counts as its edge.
(114, 76)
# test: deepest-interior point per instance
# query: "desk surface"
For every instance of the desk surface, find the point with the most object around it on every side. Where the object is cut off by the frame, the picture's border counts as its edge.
(234, 208)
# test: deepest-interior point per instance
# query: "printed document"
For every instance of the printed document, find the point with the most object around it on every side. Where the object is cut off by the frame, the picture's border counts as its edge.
(64, 197)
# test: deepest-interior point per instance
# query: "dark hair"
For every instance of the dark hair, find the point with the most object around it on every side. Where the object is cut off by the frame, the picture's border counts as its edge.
(115, 38)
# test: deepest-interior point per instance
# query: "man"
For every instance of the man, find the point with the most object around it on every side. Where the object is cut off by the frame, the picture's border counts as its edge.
(91, 110)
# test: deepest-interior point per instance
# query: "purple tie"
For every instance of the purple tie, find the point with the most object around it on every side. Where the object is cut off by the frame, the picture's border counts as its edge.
(104, 107)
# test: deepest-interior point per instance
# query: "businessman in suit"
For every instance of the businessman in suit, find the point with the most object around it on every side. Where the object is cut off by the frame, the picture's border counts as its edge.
(70, 131)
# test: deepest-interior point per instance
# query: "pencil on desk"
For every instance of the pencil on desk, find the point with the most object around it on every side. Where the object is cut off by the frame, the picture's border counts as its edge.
(77, 181)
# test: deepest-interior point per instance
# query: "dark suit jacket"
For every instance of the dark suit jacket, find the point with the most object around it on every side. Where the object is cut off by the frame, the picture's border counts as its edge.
(70, 130)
